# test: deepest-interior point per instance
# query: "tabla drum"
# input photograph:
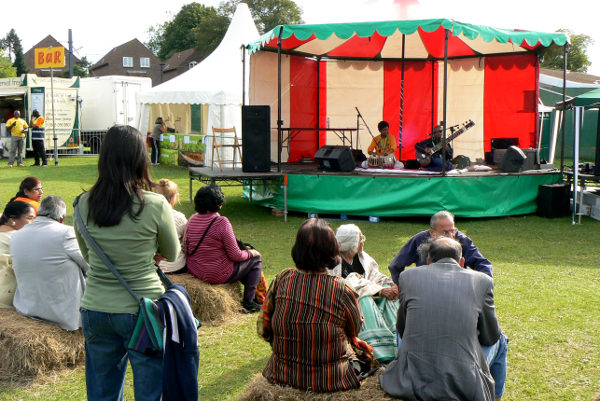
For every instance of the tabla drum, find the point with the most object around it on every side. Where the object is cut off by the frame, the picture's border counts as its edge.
(389, 161)
(375, 161)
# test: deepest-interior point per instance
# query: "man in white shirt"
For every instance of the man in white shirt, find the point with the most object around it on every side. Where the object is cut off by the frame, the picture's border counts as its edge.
(49, 267)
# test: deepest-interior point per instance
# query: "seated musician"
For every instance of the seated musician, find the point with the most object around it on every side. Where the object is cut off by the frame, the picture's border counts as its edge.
(433, 162)
(383, 144)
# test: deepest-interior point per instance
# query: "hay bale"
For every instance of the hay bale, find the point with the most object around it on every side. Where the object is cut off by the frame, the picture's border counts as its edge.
(260, 389)
(31, 347)
(211, 303)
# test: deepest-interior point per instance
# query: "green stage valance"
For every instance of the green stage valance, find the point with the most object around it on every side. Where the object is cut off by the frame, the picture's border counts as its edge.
(465, 196)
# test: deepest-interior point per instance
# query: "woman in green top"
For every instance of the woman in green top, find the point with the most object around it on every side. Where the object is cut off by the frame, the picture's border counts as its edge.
(133, 227)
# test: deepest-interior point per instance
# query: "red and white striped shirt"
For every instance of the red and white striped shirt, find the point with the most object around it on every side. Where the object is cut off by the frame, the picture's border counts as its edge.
(213, 260)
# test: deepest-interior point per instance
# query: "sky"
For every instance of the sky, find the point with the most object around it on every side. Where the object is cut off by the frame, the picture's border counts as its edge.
(101, 25)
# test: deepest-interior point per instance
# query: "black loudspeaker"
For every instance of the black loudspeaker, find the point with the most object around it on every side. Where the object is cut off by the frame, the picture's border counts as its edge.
(553, 200)
(513, 160)
(335, 158)
(256, 139)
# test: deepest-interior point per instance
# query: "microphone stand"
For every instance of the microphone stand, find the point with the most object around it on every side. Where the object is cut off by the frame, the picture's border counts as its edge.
(368, 129)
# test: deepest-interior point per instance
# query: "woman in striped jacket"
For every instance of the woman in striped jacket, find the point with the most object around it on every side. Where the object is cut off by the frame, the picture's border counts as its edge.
(311, 318)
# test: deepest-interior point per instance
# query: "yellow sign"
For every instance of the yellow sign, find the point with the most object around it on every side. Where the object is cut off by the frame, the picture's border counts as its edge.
(49, 57)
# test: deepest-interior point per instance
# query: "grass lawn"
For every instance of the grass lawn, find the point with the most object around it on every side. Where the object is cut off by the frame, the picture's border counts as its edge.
(547, 289)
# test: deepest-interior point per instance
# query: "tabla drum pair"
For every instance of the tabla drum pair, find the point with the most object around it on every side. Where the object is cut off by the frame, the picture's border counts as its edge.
(382, 161)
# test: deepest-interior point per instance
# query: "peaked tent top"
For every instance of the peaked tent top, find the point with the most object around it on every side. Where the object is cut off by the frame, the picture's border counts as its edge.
(424, 39)
(216, 79)
(589, 99)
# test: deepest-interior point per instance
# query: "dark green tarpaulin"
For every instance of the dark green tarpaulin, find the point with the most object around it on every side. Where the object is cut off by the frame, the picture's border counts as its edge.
(465, 196)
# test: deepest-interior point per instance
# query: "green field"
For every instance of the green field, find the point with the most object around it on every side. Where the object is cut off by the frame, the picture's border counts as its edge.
(546, 274)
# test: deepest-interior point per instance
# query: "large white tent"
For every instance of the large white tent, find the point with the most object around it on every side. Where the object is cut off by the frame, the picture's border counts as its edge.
(215, 83)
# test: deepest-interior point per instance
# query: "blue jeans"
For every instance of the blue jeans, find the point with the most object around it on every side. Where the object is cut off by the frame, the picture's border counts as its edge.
(496, 358)
(436, 164)
(106, 354)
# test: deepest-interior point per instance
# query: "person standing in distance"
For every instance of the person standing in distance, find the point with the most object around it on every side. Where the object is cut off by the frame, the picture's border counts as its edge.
(38, 136)
(18, 128)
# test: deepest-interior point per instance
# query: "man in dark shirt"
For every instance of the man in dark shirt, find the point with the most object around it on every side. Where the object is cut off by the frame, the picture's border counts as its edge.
(442, 225)
(430, 161)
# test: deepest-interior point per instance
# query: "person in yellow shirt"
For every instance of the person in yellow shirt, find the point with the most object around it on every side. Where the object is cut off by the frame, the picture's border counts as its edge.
(383, 144)
(38, 134)
(18, 128)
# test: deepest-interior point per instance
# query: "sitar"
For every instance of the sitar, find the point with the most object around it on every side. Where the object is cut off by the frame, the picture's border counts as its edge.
(424, 158)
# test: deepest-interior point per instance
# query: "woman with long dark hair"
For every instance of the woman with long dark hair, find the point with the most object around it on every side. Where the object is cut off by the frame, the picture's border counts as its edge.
(132, 226)
(30, 191)
(15, 216)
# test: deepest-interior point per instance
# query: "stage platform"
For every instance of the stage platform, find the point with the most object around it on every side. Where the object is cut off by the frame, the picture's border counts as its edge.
(397, 193)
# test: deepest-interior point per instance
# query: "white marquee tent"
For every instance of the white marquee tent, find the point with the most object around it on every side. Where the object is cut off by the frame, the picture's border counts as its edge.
(215, 83)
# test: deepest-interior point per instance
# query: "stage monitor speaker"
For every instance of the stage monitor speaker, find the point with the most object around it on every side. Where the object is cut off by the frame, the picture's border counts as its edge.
(513, 160)
(554, 200)
(256, 139)
(335, 158)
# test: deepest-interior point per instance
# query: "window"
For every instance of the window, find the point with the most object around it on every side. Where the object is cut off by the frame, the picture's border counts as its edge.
(127, 61)
(145, 62)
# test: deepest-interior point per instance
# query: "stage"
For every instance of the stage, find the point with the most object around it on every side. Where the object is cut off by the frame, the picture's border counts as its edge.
(392, 193)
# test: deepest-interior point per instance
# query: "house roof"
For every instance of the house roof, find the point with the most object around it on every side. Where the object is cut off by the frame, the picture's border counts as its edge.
(117, 51)
(46, 42)
(580, 77)
(182, 58)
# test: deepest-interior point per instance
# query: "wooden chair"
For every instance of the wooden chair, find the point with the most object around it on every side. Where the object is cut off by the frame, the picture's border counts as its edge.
(220, 141)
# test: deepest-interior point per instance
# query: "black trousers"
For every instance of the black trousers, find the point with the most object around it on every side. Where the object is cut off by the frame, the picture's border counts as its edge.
(39, 152)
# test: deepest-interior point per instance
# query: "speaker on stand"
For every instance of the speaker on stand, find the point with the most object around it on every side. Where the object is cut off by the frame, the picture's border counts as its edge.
(256, 139)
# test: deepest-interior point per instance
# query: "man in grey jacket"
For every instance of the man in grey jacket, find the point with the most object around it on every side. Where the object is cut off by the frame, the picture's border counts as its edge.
(446, 314)
(49, 267)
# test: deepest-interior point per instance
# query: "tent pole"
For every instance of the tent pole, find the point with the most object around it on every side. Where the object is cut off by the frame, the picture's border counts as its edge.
(564, 102)
(243, 75)
(318, 100)
(279, 122)
(399, 144)
(444, 143)
(597, 159)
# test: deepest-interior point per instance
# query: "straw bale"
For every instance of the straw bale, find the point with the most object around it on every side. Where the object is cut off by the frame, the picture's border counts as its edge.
(211, 303)
(31, 347)
(260, 389)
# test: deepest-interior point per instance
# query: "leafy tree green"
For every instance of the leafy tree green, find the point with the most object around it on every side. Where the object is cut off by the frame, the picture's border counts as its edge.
(13, 43)
(195, 26)
(267, 14)
(577, 58)
(155, 35)
(80, 70)
(6, 68)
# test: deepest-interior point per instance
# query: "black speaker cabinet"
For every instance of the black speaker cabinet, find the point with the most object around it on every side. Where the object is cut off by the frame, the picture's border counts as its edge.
(513, 160)
(335, 158)
(256, 139)
(553, 200)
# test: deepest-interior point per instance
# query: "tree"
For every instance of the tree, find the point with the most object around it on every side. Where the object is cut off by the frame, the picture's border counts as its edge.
(13, 43)
(80, 70)
(267, 14)
(195, 26)
(6, 68)
(577, 58)
(155, 34)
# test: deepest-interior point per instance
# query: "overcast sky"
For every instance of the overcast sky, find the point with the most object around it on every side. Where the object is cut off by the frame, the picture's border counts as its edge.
(101, 25)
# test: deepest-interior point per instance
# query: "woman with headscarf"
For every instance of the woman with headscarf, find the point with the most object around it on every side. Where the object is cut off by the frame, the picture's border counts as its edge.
(378, 295)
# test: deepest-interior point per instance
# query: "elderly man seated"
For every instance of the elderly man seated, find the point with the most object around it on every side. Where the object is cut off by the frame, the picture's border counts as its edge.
(49, 267)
